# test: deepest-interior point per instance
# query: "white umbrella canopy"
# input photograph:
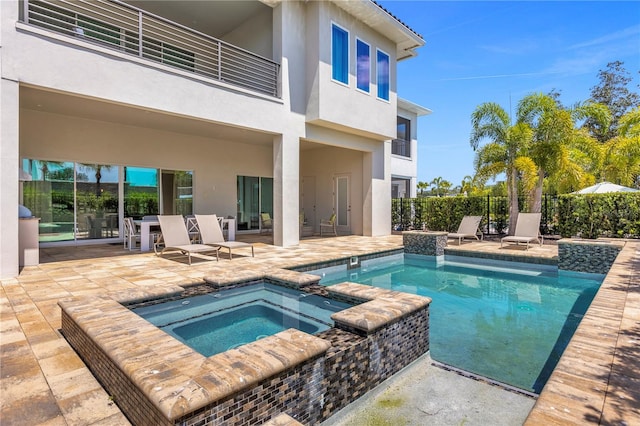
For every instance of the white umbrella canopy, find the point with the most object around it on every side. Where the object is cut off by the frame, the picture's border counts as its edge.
(604, 187)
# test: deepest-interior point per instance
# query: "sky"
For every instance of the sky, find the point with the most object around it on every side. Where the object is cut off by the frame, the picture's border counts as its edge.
(501, 51)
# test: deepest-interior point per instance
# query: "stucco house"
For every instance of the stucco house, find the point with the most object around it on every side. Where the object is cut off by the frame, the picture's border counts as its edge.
(112, 109)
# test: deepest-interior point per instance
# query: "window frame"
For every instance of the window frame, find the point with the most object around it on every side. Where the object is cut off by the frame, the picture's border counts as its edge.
(402, 146)
(344, 55)
(379, 76)
(359, 42)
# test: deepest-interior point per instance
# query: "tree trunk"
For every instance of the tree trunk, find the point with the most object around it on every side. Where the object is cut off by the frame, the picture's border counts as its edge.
(512, 192)
(536, 206)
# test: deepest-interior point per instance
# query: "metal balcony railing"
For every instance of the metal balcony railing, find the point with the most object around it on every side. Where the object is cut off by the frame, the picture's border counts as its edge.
(401, 147)
(119, 26)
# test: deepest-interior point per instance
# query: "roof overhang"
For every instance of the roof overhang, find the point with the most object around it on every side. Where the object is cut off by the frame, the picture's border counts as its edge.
(378, 18)
(415, 108)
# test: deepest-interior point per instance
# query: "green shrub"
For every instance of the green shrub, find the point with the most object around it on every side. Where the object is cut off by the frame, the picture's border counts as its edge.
(586, 216)
(614, 215)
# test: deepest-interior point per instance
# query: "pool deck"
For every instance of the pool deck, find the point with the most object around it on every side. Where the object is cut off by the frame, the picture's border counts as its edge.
(44, 382)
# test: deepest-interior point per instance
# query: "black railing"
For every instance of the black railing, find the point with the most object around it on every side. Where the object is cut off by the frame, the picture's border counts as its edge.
(445, 213)
(401, 147)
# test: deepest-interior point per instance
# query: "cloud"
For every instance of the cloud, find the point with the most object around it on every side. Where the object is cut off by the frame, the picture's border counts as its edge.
(495, 76)
(624, 33)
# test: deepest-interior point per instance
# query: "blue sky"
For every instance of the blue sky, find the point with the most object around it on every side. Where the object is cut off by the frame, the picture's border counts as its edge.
(499, 52)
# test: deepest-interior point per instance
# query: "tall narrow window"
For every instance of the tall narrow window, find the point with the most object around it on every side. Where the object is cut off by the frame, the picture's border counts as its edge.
(339, 54)
(382, 71)
(402, 145)
(363, 66)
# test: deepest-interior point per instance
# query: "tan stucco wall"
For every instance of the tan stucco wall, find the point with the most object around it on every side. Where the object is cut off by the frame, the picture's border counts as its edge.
(326, 163)
(215, 163)
(332, 103)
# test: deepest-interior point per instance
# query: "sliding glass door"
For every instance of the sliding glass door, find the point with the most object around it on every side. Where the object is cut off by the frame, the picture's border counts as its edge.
(96, 203)
(255, 196)
(81, 201)
(141, 192)
(50, 196)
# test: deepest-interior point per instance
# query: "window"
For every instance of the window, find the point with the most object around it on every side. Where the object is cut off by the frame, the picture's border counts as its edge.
(339, 54)
(363, 66)
(50, 195)
(141, 192)
(400, 187)
(74, 201)
(97, 30)
(255, 196)
(56, 19)
(168, 54)
(81, 201)
(402, 145)
(404, 129)
(382, 71)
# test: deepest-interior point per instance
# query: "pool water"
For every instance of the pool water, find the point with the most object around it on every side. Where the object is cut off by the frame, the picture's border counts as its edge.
(505, 321)
(216, 322)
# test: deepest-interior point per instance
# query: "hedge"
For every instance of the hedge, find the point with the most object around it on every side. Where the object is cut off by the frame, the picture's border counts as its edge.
(615, 215)
(587, 216)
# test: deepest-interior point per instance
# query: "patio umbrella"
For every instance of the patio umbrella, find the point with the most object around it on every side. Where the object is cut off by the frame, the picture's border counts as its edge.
(603, 187)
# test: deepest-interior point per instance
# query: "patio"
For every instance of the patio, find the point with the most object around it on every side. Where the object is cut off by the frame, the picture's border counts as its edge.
(45, 382)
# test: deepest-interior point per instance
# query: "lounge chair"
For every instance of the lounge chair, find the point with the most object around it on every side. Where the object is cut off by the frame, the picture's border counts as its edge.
(329, 224)
(176, 238)
(527, 230)
(266, 223)
(211, 234)
(468, 229)
(192, 229)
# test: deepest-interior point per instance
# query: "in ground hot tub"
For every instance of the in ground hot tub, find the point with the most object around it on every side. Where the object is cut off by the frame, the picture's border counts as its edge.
(216, 322)
(157, 379)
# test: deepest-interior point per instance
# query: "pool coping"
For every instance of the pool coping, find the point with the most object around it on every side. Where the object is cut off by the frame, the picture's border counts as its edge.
(175, 379)
(594, 381)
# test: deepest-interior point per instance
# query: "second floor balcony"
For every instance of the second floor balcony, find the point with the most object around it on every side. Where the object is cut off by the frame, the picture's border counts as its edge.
(401, 147)
(127, 29)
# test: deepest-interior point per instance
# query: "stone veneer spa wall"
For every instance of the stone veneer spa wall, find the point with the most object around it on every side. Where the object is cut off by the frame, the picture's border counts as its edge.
(157, 380)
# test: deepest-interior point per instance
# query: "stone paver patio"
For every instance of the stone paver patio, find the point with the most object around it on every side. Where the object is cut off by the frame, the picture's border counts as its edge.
(44, 382)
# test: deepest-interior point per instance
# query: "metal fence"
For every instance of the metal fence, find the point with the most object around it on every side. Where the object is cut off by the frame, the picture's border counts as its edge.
(119, 26)
(445, 213)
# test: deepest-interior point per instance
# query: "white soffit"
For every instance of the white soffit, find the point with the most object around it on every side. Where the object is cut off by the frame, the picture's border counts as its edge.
(386, 24)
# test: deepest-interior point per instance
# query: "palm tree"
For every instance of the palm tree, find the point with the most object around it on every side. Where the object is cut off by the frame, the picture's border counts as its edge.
(422, 186)
(553, 128)
(467, 186)
(441, 186)
(503, 154)
(621, 160)
(444, 188)
(579, 161)
(98, 168)
(436, 185)
(473, 185)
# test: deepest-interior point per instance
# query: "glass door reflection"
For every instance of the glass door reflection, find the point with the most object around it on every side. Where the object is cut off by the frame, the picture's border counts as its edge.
(97, 201)
(50, 196)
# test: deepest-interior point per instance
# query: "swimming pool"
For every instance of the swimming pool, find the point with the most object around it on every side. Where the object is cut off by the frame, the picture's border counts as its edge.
(506, 321)
(216, 322)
